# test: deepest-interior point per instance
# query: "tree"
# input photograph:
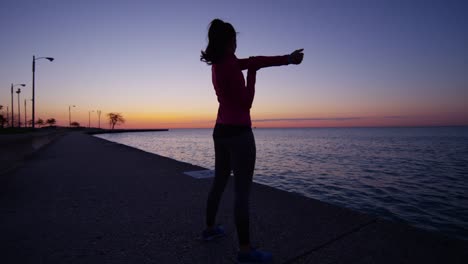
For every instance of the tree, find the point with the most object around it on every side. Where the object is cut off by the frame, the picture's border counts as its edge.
(51, 121)
(3, 120)
(75, 124)
(115, 119)
(40, 122)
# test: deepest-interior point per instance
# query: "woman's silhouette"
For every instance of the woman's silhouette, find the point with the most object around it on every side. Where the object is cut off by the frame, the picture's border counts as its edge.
(233, 138)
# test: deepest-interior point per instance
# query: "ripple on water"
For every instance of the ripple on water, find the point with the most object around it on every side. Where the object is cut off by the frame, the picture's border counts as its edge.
(416, 175)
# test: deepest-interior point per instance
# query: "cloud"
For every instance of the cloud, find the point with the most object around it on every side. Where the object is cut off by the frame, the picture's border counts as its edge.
(395, 117)
(308, 119)
(338, 119)
(275, 120)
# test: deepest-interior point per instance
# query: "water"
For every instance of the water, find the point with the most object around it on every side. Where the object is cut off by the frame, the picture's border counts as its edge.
(415, 175)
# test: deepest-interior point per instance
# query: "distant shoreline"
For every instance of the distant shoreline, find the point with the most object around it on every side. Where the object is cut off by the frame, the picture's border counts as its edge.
(112, 131)
(299, 127)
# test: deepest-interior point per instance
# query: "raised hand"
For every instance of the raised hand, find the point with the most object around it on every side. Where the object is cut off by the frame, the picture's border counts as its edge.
(297, 56)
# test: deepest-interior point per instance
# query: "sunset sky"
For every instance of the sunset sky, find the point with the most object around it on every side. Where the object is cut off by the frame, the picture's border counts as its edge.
(367, 63)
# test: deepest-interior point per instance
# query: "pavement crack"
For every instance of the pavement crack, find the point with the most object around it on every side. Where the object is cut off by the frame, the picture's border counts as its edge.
(331, 241)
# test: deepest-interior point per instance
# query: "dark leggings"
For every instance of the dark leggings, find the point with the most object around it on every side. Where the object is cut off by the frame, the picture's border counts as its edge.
(236, 153)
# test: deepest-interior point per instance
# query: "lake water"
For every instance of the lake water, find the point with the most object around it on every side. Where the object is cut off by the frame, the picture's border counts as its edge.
(415, 175)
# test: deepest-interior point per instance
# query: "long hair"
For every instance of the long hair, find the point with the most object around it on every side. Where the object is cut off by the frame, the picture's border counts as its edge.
(220, 35)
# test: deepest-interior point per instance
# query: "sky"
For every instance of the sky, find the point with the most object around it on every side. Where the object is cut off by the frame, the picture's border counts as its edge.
(366, 63)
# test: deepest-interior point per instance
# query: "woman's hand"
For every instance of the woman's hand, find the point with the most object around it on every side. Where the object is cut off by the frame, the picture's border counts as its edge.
(296, 57)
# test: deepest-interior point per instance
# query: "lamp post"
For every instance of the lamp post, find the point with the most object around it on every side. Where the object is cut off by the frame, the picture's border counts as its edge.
(12, 107)
(69, 114)
(33, 95)
(99, 118)
(19, 107)
(89, 118)
(25, 113)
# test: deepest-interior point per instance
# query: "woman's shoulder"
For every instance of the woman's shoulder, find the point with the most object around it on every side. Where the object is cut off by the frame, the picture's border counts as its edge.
(226, 63)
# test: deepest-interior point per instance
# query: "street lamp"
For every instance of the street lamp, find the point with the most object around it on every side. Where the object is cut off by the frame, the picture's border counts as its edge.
(99, 118)
(19, 107)
(33, 96)
(69, 114)
(89, 118)
(12, 86)
(25, 113)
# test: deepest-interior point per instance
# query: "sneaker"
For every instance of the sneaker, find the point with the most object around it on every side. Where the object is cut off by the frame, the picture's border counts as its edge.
(254, 256)
(214, 233)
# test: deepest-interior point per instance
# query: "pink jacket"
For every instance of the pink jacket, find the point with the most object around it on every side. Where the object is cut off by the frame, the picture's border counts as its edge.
(234, 96)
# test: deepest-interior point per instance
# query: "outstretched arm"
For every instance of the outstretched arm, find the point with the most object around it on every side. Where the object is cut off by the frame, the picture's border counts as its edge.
(258, 62)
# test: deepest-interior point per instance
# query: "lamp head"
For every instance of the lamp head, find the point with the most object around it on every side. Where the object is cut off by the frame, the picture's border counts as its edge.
(50, 58)
(23, 84)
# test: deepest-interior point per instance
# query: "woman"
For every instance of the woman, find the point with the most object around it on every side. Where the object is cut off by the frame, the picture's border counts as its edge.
(233, 138)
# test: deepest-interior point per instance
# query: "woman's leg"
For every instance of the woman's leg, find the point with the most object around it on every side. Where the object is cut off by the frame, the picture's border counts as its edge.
(243, 164)
(222, 173)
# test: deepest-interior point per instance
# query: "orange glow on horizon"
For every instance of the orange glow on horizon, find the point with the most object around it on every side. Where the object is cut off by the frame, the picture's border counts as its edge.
(177, 121)
(148, 120)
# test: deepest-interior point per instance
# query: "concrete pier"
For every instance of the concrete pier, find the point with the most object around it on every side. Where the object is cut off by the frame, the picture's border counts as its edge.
(82, 199)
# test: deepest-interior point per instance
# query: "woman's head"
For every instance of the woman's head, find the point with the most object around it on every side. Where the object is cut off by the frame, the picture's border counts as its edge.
(221, 41)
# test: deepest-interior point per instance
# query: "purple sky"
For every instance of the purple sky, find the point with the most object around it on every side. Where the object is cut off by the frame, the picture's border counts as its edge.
(365, 59)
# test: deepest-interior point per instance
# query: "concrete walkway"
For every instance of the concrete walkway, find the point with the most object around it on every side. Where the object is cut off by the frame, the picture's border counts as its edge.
(86, 200)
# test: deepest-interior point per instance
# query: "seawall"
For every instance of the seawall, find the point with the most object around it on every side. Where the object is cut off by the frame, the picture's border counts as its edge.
(86, 200)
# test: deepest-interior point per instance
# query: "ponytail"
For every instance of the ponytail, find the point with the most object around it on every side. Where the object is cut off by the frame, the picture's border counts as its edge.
(220, 35)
